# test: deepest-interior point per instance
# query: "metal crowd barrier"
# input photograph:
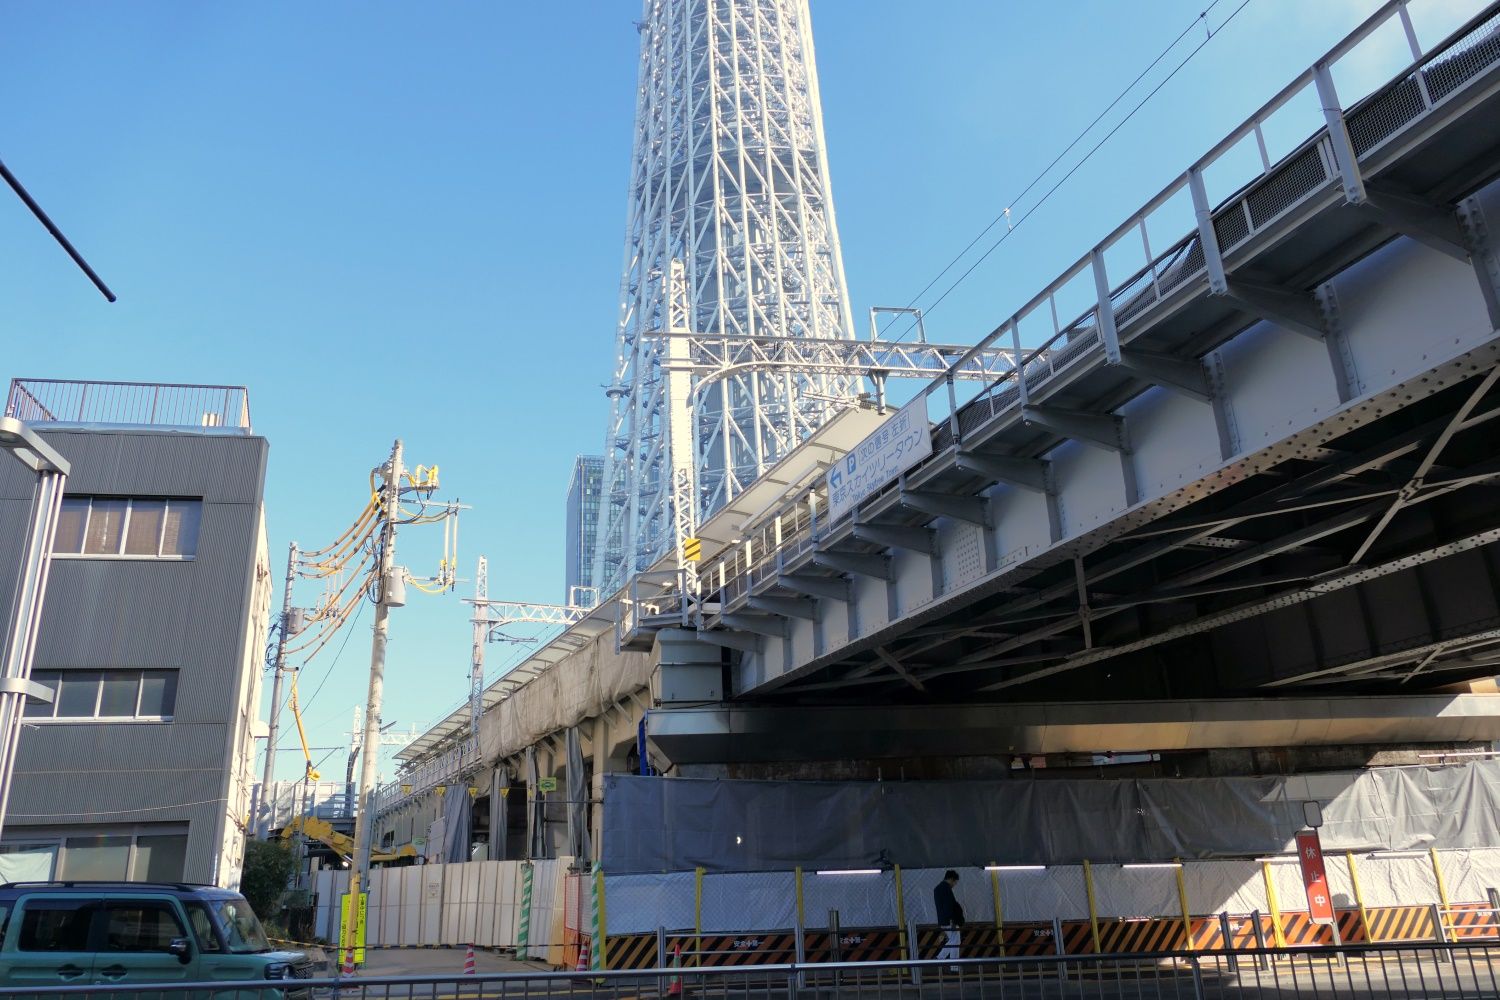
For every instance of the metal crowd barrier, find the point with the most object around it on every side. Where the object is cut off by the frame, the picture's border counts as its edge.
(1398, 972)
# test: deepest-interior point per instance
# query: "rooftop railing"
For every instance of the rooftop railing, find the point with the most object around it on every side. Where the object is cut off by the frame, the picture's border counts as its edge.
(130, 404)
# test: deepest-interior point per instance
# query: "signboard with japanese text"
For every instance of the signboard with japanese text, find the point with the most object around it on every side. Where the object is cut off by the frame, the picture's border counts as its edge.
(352, 932)
(892, 448)
(1315, 877)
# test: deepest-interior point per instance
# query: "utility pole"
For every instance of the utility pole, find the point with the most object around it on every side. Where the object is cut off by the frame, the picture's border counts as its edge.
(364, 819)
(267, 786)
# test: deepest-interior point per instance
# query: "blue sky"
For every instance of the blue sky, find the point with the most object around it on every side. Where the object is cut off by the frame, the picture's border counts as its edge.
(406, 220)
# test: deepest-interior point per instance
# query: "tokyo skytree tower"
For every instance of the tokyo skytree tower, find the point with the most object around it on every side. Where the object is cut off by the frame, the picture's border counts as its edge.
(734, 327)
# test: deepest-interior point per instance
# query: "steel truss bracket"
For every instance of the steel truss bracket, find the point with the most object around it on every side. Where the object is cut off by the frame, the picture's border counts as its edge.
(897, 537)
(766, 625)
(730, 640)
(900, 669)
(834, 588)
(1486, 261)
(1427, 222)
(1294, 310)
(1177, 374)
(861, 563)
(786, 607)
(1105, 430)
(1025, 473)
(971, 509)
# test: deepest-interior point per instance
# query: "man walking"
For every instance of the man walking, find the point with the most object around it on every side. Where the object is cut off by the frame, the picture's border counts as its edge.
(950, 915)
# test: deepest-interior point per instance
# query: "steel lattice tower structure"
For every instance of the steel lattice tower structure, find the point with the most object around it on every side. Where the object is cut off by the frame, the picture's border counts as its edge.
(749, 347)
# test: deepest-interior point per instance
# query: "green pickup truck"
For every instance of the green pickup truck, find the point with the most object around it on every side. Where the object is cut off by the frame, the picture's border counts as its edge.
(121, 934)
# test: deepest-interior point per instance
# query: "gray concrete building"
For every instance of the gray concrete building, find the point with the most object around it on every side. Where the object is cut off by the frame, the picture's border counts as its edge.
(151, 638)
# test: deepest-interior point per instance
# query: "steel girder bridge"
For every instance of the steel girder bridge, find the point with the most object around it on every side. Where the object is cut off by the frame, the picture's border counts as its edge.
(1268, 459)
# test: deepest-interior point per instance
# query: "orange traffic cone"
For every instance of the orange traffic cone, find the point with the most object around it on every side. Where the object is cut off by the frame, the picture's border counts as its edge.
(469, 961)
(674, 989)
(583, 955)
(348, 969)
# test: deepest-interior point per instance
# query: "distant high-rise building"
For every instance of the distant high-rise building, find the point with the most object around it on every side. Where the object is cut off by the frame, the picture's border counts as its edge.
(583, 522)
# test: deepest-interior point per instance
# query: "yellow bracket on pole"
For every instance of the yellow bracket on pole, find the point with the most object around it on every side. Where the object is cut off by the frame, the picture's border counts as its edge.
(1442, 887)
(698, 916)
(1088, 886)
(900, 913)
(1265, 873)
(1187, 918)
(999, 913)
(1359, 898)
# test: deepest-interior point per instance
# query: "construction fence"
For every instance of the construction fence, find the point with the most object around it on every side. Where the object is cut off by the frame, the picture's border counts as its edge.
(872, 915)
(700, 919)
(517, 906)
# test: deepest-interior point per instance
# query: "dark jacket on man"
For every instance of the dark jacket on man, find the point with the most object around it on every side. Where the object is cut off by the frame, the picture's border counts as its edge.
(949, 912)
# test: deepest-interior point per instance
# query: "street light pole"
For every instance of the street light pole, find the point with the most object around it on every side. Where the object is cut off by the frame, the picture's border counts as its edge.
(364, 821)
(267, 787)
(31, 586)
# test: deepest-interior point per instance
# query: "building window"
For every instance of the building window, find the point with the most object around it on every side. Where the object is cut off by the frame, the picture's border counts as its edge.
(148, 853)
(106, 695)
(128, 527)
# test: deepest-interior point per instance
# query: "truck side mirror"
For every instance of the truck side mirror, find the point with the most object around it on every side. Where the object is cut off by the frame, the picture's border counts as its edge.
(182, 948)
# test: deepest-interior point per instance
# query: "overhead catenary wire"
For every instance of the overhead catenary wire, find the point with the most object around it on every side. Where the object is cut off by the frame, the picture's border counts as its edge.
(1086, 157)
(1201, 18)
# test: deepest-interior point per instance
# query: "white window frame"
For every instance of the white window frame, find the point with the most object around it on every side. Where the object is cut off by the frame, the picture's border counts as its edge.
(96, 718)
(161, 532)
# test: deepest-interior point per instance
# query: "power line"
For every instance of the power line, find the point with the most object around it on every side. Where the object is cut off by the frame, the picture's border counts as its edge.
(335, 662)
(1075, 168)
(119, 812)
(1201, 18)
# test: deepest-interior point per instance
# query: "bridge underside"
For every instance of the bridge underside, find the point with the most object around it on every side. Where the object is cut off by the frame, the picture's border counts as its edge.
(1068, 733)
(1369, 563)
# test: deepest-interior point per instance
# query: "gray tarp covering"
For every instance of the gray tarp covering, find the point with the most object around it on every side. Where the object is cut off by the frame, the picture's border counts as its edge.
(667, 824)
(499, 815)
(536, 816)
(578, 800)
(457, 809)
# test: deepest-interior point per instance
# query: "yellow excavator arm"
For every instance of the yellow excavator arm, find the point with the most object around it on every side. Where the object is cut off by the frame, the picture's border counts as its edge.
(322, 831)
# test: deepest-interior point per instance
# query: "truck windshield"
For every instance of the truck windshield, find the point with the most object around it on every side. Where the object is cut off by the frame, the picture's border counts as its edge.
(241, 927)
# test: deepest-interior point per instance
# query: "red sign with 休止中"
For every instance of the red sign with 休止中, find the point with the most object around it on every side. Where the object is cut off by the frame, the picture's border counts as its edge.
(1314, 877)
